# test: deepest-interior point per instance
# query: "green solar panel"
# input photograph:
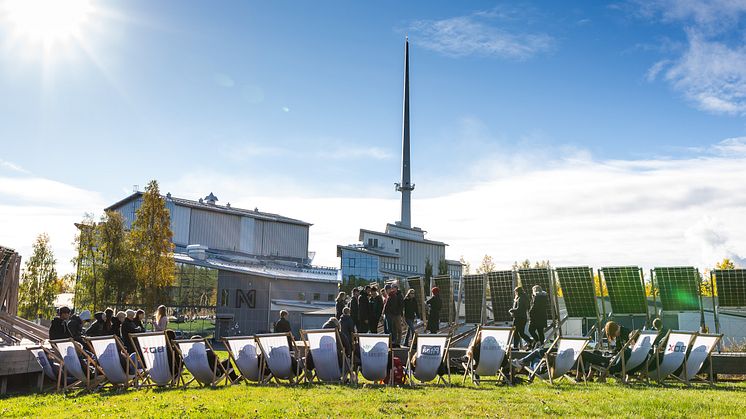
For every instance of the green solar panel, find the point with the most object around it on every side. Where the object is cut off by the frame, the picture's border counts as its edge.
(731, 287)
(501, 292)
(578, 291)
(473, 298)
(678, 288)
(443, 282)
(626, 293)
(541, 277)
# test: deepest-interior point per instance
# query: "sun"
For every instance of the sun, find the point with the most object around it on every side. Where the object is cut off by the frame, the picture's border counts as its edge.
(47, 22)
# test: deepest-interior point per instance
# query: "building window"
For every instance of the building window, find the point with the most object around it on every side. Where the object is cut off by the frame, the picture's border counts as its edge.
(316, 296)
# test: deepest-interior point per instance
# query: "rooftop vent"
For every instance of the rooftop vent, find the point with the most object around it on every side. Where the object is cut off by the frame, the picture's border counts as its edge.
(197, 251)
(211, 199)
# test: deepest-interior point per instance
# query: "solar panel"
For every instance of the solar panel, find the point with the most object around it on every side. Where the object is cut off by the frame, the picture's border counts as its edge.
(416, 284)
(626, 293)
(578, 291)
(473, 297)
(443, 282)
(678, 288)
(501, 293)
(541, 277)
(731, 287)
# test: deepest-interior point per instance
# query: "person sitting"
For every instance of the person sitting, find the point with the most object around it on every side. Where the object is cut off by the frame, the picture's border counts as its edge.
(282, 325)
(97, 327)
(617, 337)
(474, 350)
(538, 314)
(111, 324)
(140, 320)
(57, 329)
(662, 331)
(332, 323)
(129, 327)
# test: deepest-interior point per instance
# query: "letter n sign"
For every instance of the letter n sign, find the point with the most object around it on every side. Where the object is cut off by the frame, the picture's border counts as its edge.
(248, 297)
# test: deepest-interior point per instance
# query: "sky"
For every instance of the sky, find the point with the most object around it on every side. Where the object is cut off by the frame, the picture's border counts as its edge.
(583, 133)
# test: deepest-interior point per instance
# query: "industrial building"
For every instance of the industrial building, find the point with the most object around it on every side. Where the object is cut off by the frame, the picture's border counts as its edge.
(237, 268)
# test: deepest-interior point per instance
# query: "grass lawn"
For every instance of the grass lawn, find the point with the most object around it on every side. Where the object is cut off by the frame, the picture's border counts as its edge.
(489, 400)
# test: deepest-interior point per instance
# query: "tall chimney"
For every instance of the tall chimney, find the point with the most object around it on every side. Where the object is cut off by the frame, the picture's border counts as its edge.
(405, 187)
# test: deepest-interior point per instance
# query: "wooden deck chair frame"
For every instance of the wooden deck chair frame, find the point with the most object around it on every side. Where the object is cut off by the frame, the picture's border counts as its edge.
(618, 357)
(661, 347)
(708, 359)
(90, 382)
(265, 379)
(232, 357)
(145, 378)
(122, 352)
(579, 366)
(470, 367)
(51, 355)
(444, 357)
(217, 365)
(345, 369)
(356, 368)
(643, 376)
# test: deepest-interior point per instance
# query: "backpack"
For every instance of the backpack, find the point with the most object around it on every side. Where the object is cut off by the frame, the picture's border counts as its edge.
(398, 369)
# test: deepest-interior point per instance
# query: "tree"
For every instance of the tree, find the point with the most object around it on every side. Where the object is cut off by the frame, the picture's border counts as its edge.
(117, 271)
(724, 264)
(65, 283)
(443, 267)
(487, 265)
(466, 266)
(708, 287)
(150, 239)
(38, 282)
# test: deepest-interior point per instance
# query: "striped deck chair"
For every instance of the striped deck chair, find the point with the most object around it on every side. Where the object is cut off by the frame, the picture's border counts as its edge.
(196, 361)
(330, 361)
(245, 355)
(674, 355)
(567, 358)
(77, 363)
(110, 352)
(494, 346)
(700, 352)
(50, 364)
(278, 357)
(157, 359)
(426, 355)
(375, 356)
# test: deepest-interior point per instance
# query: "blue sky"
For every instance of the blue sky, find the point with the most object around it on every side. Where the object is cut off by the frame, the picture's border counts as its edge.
(295, 107)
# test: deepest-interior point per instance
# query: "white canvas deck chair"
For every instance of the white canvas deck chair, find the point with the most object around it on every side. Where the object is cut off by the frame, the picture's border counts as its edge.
(638, 358)
(194, 354)
(567, 357)
(45, 357)
(426, 355)
(245, 355)
(375, 355)
(700, 353)
(153, 358)
(76, 363)
(277, 357)
(494, 346)
(109, 353)
(325, 347)
(674, 355)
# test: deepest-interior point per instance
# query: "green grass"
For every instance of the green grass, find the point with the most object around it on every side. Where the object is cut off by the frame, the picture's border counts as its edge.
(489, 400)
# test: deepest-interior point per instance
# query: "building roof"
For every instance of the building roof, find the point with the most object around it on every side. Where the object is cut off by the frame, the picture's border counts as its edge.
(394, 236)
(215, 207)
(363, 249)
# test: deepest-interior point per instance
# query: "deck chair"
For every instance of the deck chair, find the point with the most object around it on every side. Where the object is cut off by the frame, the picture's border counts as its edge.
(375, 356)
(325, 347)
(616, 359)
(196, 361)
(109, 352)
(494, 346)
(245, 355)
(77, 363)
(674, 355)
(426, 355)
(567, 357)
(639, 356)
(700, 352)
(153, 358)
(277, 357)
(50, 364)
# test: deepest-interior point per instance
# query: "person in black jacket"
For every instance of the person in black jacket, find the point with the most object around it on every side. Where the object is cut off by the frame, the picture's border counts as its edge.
(433, 315)
(392, 310)
(411, 312)
(519, 312)
(74, 328)
(363, 310)
(353, 305)
(97, 327)
(376, 309)
(109, 318)
(282, 325)
(57, 329)
(538, 314)
(140, 320)
(346, 329)
(129, 327)
(341, 303)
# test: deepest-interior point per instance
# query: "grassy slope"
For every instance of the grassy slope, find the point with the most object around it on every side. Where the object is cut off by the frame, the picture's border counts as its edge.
(726, 400)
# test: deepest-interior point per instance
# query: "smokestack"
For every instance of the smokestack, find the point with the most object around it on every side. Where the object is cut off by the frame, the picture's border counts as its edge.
(405, 187)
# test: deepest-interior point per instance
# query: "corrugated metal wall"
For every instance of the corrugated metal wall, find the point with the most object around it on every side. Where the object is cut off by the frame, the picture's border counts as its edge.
(248, 236)
(413, 253)
(215, 230)
(128, 212)
(283, 239)
(180, 217)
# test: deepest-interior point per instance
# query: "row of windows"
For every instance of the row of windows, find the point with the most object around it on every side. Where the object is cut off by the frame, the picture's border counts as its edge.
(399, 267)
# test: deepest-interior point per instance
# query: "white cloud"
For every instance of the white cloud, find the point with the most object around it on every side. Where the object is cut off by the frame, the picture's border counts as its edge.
(10, 166)
(714, 15)
(477, 35)
(346, 152)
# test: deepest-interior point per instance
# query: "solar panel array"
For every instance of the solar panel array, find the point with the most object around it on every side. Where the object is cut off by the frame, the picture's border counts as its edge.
(678, 288)
(473, 298)
(541, 277)
(501, 292)
(731, 287)
(416, 284)
(626, 292)
(443, 282)
(578, 291)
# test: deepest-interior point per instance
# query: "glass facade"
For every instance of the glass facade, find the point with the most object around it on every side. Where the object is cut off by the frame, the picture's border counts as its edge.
(192, 300)
(359, 266)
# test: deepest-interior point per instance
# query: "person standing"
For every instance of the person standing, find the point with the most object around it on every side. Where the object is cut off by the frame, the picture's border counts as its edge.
(346, 329)
(341, 303)
(538, 314)
(363, 307)
(376, 303)
(433, 304)
(392, 311)
(354, 309)
(519, 312)
(161, 319)
(411, 312)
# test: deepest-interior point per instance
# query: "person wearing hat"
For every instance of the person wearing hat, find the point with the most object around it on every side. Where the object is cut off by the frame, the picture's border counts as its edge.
(433, 304)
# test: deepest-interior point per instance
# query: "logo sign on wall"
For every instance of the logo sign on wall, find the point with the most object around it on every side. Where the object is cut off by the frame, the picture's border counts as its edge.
(248, 298)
